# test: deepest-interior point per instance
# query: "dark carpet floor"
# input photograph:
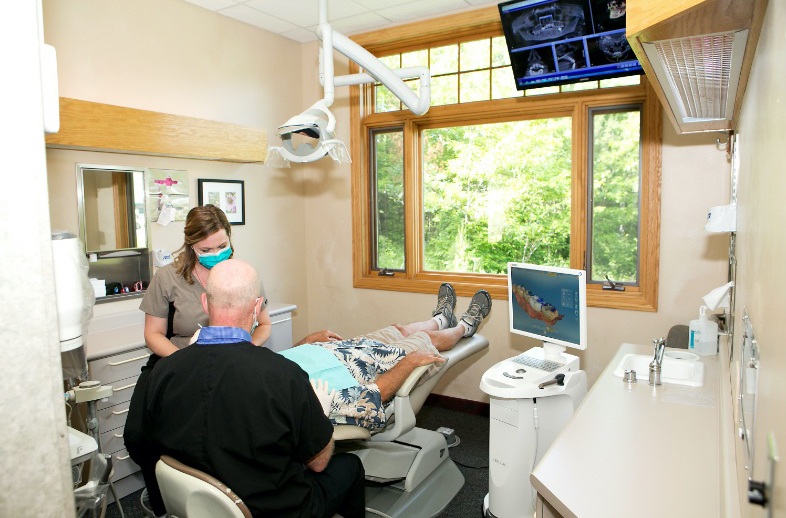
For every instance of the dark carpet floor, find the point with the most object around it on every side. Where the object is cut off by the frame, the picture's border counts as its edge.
(471, 455)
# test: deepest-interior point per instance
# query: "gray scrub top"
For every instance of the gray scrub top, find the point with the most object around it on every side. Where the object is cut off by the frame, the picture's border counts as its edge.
(167, 286)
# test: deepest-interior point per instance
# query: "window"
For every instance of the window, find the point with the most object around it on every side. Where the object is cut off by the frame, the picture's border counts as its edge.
(563, 176)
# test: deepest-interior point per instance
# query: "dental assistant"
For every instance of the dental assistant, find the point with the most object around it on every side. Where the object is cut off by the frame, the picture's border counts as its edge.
(172, 303)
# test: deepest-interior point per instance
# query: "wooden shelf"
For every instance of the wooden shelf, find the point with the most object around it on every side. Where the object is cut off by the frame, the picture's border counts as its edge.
(103, 127)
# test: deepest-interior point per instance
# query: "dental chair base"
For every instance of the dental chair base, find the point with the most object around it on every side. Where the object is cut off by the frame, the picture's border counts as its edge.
(411, 477)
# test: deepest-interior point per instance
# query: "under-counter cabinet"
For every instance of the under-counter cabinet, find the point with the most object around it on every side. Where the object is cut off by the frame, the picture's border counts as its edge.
(116, 353)
(121, 372)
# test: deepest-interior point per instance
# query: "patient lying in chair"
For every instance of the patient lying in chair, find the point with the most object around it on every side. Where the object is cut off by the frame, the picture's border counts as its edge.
(357, 376)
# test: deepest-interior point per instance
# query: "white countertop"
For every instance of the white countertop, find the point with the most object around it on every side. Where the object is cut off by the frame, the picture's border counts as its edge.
(638, 450)
(120, 332)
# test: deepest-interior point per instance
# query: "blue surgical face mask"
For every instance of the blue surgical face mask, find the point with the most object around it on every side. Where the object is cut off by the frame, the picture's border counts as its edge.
(210, 260)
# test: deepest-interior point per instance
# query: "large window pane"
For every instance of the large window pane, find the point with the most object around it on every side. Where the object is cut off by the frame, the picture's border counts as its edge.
(494, 193)
(388, 198)
(615, 185)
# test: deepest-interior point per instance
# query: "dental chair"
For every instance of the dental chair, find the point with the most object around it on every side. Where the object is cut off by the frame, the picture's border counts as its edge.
(409, 472)
(190, 493)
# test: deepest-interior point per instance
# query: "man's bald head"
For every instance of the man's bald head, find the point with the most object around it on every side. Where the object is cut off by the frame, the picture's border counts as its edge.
(232, 290)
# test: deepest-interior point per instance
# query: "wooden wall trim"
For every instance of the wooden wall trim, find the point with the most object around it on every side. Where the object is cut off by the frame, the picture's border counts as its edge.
(103, 127)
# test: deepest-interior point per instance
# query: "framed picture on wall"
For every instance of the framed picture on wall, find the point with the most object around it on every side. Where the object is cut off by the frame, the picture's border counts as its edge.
(227, 195)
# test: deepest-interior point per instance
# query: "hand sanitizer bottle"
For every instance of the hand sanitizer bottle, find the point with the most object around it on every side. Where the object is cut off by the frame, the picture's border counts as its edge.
(703, 335)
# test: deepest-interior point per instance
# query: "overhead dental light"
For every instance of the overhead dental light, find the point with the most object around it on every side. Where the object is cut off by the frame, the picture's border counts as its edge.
(311, 135)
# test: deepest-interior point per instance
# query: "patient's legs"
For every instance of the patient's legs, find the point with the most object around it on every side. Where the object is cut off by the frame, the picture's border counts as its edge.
(443, 336)
(442, 339)
(414, 327)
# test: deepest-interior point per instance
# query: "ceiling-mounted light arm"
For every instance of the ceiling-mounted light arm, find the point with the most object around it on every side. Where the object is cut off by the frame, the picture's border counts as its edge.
(376, 71)
(317, 123)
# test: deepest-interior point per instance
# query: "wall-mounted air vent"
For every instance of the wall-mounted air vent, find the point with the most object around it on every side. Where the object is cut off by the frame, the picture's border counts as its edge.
(699, 74)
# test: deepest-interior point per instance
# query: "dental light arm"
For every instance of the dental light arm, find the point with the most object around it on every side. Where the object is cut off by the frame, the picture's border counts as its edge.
(318, 123)
(377, 71)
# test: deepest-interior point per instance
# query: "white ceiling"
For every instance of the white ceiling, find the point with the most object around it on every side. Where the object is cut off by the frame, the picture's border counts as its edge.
(298, 19)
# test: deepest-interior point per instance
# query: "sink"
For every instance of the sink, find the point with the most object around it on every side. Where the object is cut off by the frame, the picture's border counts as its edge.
(678, 368)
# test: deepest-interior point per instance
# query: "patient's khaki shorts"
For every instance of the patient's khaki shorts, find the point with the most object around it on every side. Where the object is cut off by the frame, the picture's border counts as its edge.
(419, 341)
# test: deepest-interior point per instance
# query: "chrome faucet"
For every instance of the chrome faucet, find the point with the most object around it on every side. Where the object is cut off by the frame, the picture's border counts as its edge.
(657, 360)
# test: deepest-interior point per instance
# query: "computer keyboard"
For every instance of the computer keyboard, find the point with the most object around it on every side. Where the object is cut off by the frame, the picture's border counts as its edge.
(537, 363)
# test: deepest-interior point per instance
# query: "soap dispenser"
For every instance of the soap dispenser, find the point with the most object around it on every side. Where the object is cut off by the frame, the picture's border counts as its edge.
(703, 335)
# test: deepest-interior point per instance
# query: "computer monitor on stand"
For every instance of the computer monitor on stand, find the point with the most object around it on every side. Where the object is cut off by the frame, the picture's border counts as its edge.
(533, 395)
(549, 304)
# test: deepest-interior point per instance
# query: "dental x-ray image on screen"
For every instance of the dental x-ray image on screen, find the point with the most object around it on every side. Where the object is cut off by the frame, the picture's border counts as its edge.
(556, 42)
(548, 303)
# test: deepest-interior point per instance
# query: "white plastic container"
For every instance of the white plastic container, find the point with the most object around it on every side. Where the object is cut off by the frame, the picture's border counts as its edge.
(703, 335)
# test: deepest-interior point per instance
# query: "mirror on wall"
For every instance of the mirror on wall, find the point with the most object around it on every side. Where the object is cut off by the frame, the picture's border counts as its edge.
(113, 227)
(111, 208)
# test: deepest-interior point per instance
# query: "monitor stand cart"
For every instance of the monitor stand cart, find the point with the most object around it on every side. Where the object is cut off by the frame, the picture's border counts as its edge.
(524, 421)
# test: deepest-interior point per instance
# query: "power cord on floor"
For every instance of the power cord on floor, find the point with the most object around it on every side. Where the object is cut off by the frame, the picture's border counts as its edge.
(456, 442)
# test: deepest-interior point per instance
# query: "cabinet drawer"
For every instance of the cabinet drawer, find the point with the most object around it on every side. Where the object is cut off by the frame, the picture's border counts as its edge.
(113, 417)
(122, 391)
(111, 369)
(112, 441)
(122, 465)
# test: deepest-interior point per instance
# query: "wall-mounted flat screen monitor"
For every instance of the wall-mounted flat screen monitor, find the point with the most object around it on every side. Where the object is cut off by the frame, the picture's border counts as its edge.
(549, 304)
(555, 42)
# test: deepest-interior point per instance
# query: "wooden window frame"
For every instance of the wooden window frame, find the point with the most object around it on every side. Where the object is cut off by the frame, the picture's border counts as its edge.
(465, 27)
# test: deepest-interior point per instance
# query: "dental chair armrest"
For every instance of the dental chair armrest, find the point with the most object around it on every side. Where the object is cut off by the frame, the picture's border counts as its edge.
(411, 381)
(350, 432)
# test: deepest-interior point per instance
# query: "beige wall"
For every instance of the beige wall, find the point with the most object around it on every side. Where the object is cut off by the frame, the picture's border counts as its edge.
(695, 177)
(173, 57)
(761, 276)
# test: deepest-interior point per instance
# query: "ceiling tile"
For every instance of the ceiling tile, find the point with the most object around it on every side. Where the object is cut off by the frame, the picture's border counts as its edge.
(257, 18)
(360, 23)
(300, 13)
(419, 9)
(297, 19)
(373, 5)
(301, 35)
(213, 5)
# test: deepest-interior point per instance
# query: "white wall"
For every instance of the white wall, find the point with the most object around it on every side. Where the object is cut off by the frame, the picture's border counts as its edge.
(692, 262)
(761, 276)
(174, 57)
